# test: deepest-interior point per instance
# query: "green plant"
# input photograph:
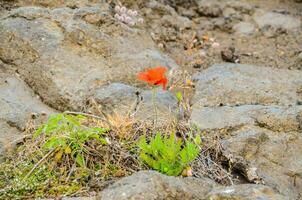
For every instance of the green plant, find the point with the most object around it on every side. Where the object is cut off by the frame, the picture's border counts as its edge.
(66, 135)
(168, 155)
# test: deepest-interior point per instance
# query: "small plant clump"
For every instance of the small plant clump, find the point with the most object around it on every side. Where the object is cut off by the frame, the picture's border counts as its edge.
(73, 154)
(67, 136)
(168, 155)
(66, 156)
(127, 16)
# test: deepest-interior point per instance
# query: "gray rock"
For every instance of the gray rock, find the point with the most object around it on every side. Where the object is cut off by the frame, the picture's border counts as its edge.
(236, 84)
(126, 99)
(18, 103)
(276, 21)
(246, 192)
(209, 8)
(79, 198)
(152, 185)
(276, 118)
(64, 54)
(116, 96)
(259, 110)
(244, 28)
(8, 135)
(276, 156)
(56, 3)
(300, 57)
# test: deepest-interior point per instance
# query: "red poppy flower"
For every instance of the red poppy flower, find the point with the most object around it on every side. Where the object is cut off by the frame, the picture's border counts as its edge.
(155, 76)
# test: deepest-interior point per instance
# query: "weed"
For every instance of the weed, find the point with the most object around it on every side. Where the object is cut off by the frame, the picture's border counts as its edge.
(68, 136)
(168, 155)
(65, 156)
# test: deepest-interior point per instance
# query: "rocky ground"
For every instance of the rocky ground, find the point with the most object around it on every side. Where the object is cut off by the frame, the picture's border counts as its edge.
(238, 61)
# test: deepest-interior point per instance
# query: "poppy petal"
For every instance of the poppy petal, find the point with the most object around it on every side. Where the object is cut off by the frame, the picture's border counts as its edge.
(144, 76)
(157, 73)
(155, 76)
(162, 82)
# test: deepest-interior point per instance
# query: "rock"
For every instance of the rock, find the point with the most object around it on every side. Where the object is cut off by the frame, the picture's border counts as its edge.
(229, 55)
(79, 198)
(244, 191)
(244, 29)
(117, 96)
(56, 3)
(18, 103)
(127, 99)
(152, 185)
(257, 111)
(275, 21)
(8, 135)
(209, 8)
(231, 14)
(242, 7)
(238, 84)
(275, 155)
(300, 57)
(177, 21)
(65, 54)
(275, 118)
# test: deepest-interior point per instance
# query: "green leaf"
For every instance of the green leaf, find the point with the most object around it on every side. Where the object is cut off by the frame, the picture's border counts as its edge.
(54, 142)
(72, 120)
(167, 154)
(99, 130)
(80, 160)
(197, 140)
(142, 144)
(179, 96)
(38, 131)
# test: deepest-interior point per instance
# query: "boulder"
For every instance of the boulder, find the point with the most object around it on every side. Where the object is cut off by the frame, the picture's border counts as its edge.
(275, 21)
(244, 29)
(276, 118)
(237, 84)
(18, 104)
(64, 55)
(126, 99)
(258, 113)
(151, 185)
(274, 156)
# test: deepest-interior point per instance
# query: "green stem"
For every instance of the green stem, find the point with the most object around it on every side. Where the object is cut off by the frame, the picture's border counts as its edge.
(154, 103)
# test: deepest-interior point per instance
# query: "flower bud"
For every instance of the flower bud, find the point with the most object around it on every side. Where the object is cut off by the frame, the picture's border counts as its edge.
(140, 20)
(121, 18)
(131, 23)
(123, 9)
(215, 45)
(129, 12)
(117, 8)
(128, 19)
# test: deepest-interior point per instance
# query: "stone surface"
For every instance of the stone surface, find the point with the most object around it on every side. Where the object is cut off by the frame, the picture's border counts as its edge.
(276, 156)
(244, 28)
(152, 185)
(235, 84)
(276, 21)
(276, 118)
(258, 111)
(209, 8)
(126, 99)
(63, 55)
(17, 102)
